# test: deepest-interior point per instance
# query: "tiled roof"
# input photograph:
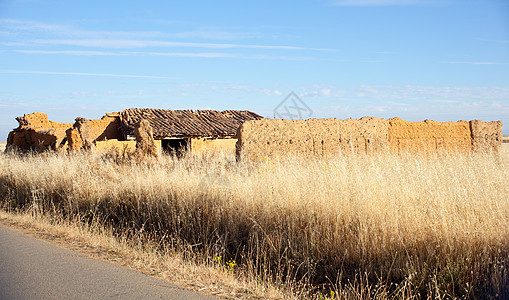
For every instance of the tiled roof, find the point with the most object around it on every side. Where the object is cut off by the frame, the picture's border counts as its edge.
(187, 123)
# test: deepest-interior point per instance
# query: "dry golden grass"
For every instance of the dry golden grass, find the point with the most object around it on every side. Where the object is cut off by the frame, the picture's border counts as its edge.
(505, 146)
(2, 146)
(96, 241)
(362, 226)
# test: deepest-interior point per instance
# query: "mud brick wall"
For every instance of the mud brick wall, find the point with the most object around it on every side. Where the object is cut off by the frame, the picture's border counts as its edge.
(315, 137)
(39, 122)
(332, 136)
(309, 138)
(37, 133)
(200, 145)
(269, 138)
(107, 128)
(429, 136)
(31, 139)
(486, 136)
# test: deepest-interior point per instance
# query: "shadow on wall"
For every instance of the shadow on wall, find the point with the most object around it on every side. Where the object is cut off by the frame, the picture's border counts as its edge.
(108, 128)
(36, 132)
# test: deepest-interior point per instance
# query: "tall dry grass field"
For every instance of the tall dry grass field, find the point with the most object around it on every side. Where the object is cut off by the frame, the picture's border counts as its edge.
(363, 226)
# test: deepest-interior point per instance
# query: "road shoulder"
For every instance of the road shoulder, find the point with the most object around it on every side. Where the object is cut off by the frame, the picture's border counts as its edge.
(80, 247)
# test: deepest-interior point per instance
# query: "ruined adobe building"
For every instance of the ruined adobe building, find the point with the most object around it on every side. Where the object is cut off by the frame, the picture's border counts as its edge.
(173, 130)
(268, 138)
(186, 129)
(253, 137)
(36, 132)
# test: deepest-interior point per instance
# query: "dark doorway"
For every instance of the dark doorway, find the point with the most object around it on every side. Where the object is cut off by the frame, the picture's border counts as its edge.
(175, 146)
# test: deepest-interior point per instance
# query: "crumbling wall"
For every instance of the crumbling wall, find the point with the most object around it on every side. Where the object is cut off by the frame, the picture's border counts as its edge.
(200, 145)
(78, 137)
(145, 144)
(36, 133)
(38, 122)
(107, 128)
(429, 136)
(314, 137)
(74, 140)
(259, 139)
(32, 139)
(486, 136)
(32, 133)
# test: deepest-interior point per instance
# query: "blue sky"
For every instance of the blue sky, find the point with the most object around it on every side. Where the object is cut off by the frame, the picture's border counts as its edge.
(416, 59)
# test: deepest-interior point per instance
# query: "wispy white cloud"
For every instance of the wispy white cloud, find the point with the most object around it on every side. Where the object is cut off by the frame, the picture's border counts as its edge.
(10, 102)
(70, 52)
(14, 44)
(389, 95)
(405, 96)
(439, 111)
(14, 27)
(170, 54)
(136, 43)
(431, 93)
(22, 33)
(80, 74)
(278, 57)
(214, 34)
(30, 26)
(218, 55)
(122, 53)
(187, 54)
(325, 92)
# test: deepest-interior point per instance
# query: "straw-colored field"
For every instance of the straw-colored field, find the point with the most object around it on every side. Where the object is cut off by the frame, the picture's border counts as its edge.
(505, 145)
(360, 226)
(2, 146)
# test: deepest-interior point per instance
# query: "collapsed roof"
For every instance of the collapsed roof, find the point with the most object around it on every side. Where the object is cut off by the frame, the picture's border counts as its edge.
(187, 123)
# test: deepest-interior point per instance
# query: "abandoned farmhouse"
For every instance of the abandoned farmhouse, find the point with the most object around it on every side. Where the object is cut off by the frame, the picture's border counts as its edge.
(173, 130)
(250, 136)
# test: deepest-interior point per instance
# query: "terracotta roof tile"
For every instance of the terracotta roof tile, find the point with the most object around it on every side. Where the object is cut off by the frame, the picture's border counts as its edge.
(187, 123)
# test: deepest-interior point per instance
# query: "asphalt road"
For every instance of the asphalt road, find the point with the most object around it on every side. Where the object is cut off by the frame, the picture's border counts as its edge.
(34, 269)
